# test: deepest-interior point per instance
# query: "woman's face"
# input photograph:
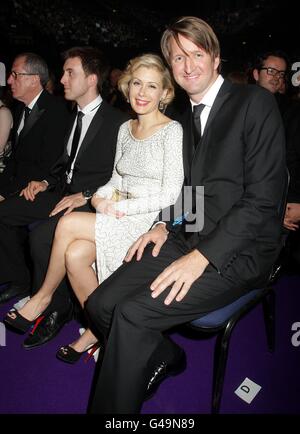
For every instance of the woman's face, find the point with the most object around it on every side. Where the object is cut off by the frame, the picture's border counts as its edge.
(146, 90)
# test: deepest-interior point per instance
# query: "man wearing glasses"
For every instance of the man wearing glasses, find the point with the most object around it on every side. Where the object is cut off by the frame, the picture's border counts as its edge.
(270, 70)
(39, 128)
(39, 125)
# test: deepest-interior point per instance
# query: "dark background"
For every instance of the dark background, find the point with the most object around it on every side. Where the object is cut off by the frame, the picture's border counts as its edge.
(129, 27)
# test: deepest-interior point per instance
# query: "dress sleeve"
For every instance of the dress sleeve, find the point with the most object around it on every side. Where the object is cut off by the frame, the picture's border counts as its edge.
(106, 191)
(172, 179)
(5, 126)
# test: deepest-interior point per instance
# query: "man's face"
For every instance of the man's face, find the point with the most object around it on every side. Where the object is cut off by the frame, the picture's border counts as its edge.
(22, 86)
(277, 66)
(194, 69)
(76, 83)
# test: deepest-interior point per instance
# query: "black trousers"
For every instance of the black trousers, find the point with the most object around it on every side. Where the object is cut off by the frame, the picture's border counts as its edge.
(123, 305)
(15, 213)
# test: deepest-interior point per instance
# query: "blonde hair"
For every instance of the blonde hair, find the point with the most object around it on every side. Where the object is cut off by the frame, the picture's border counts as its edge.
(194, 29)
(148, 60)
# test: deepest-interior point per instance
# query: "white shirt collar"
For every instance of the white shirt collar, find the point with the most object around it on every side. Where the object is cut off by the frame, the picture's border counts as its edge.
(30, 106)
(91, 106)
(210, 96)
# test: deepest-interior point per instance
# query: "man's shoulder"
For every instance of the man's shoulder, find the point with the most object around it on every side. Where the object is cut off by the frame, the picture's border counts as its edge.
(53, 104)
(251, 91)
(113, 112)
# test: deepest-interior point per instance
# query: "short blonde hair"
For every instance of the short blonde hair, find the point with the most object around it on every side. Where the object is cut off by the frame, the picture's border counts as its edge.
(194, 29)
(148, 60)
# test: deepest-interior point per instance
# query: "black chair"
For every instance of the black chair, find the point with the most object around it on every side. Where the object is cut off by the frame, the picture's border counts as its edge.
(222, 321)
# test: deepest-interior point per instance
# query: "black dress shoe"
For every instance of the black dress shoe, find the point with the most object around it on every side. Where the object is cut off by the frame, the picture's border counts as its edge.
(47, 329)
(164, 370)
(13, 291)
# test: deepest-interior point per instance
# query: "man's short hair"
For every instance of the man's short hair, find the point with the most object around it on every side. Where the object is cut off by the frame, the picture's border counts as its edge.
(35, 64)
(93, 62)
(262, 57)
(194, 29)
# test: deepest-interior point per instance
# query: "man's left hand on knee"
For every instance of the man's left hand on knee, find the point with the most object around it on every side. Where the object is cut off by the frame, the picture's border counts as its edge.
(181, 274)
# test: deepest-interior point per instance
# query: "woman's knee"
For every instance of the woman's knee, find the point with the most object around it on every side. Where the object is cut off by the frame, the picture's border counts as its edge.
(80, 254)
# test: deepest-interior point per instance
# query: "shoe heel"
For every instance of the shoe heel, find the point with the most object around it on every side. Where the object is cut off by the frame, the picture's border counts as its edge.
(93, 349)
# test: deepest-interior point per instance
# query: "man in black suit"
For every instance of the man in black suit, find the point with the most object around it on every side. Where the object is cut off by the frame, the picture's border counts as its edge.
(37, 142)
(86, 164)
(235, 150)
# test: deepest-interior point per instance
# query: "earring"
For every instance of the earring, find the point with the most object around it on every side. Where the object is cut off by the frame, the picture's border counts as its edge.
(161, 105)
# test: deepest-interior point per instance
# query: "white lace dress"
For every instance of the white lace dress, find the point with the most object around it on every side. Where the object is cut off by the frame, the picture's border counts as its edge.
(151, 172)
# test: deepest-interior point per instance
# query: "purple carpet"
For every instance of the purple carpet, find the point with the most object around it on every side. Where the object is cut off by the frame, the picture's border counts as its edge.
(36, 382)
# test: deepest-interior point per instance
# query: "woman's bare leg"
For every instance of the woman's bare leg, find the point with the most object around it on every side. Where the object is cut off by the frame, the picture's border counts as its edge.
(80, 257)
(74, 226)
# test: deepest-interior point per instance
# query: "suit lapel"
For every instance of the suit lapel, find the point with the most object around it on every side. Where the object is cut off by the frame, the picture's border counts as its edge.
(36, 113)
(221, 97)
(92, 130)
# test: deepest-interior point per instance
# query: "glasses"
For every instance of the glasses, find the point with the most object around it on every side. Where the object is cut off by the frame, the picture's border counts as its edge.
(274, 72)
(15, 74)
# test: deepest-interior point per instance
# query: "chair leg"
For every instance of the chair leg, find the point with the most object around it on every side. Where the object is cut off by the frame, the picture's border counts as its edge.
(220, 361)
(269, 319)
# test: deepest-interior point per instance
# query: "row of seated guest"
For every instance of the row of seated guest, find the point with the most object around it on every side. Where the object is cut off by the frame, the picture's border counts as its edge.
(36, 145)
(87, 140)
(228, 131)
(148, 167)
(6, 124)
(271, 71)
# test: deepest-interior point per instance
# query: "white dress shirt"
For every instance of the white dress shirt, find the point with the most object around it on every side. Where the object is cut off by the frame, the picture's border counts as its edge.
(208, 100)
(89, 112)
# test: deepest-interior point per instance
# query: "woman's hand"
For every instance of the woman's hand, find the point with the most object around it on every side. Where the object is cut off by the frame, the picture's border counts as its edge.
(106, 206)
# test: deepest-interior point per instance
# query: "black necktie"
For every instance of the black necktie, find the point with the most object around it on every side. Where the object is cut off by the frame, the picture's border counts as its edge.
(27, 111)
(197, 122)
(75, 140)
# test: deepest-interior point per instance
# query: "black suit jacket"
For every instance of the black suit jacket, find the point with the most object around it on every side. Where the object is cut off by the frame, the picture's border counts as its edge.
(95, 158)
(240, 161)
(38, 146)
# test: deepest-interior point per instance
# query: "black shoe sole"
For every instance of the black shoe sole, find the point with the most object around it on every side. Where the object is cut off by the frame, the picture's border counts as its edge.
(171, 372)
(31, 347)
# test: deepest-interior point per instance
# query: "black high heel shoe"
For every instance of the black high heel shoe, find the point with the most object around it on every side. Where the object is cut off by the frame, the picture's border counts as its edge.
(67, 354)
(19, 323)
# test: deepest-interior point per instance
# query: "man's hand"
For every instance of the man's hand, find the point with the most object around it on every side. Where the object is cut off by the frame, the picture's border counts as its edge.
(1, 198)
(292, 216)
(106, 206)
(32, 189)
(182, 273)
(158, 235)
(69, 202)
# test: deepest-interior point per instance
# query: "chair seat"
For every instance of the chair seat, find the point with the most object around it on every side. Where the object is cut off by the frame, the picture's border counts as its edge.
(220, 316)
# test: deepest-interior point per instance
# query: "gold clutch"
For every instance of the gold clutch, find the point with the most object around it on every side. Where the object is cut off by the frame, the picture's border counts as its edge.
(120, 195)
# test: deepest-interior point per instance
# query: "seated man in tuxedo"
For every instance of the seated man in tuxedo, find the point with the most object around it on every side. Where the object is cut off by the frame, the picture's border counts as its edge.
(85, 164)
(180, 270)
(38, 128)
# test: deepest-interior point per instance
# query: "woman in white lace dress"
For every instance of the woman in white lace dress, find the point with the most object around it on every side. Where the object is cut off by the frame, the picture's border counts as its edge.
(147, 177)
